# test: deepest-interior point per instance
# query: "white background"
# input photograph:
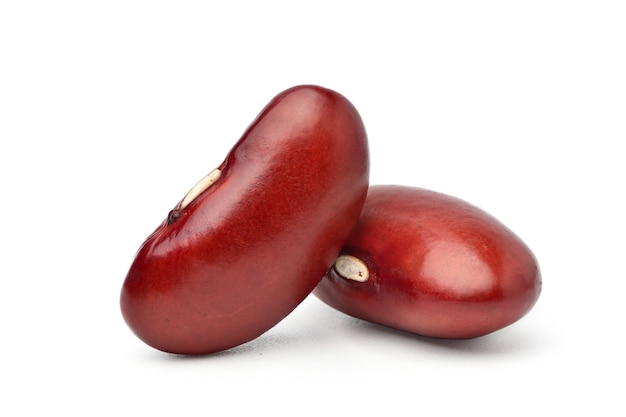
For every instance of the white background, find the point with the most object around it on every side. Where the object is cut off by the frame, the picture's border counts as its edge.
(110, 111)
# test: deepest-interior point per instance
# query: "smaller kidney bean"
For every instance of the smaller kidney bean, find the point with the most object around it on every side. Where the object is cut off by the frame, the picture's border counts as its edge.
(431, 264)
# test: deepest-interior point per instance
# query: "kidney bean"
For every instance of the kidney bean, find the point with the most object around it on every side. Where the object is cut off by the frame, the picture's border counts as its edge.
(253, 238)
(431, 264)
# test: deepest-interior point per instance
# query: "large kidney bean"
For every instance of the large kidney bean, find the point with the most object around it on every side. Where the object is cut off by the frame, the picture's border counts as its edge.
(431, 264)
(253, 238)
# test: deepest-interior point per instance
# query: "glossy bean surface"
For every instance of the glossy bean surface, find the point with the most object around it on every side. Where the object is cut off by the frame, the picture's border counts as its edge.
(432, 264)
(252, 239)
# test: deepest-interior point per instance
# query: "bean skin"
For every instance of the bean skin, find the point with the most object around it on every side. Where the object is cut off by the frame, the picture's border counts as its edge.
(252, 239)
(435, 265)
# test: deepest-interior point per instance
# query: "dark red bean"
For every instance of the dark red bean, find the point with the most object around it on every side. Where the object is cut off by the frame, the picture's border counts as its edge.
(432, 264)
(252, 239)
